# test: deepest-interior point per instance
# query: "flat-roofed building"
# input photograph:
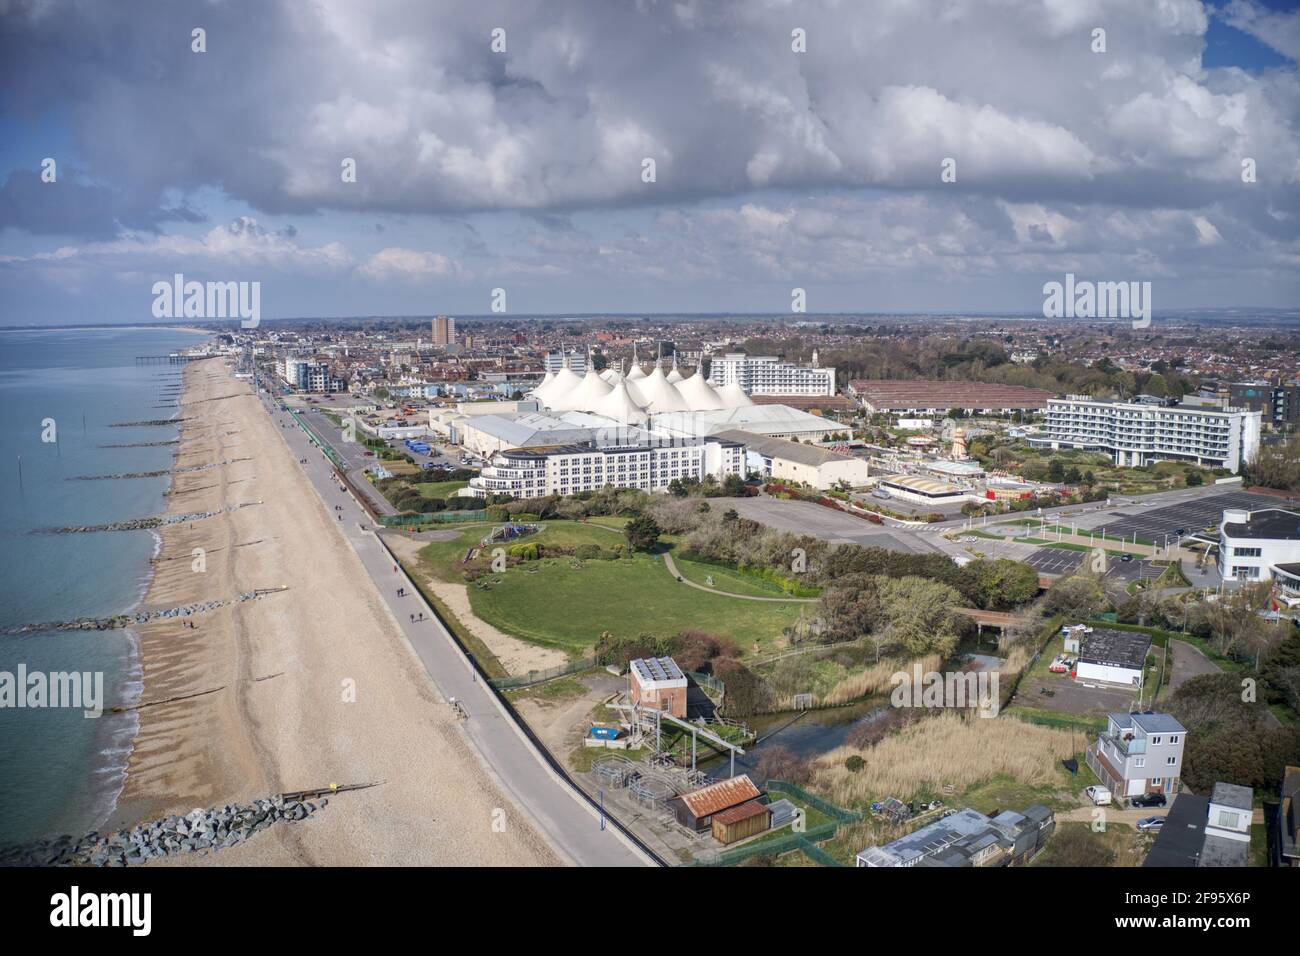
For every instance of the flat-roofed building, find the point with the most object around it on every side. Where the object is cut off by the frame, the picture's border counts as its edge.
(571, 468)
(1113, 657)
(785, 460)
(1261, 545)
(1138, 433)
(1138, 754)
(924, 397)
(768, 375)
(659, 683)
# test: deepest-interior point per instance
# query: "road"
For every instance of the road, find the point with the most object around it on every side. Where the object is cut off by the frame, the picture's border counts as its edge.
(568, 821)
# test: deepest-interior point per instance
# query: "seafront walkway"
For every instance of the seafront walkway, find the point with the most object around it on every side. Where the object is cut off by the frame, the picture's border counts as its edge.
(563, 817)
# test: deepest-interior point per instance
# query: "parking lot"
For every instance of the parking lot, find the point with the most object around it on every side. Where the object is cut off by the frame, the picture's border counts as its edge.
(1058, 561)
(837, 527)
(1153, 524)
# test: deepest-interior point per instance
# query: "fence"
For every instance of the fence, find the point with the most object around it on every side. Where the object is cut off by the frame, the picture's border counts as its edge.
(806, 841)
(432, 517)
(538, 677)
(708, 682)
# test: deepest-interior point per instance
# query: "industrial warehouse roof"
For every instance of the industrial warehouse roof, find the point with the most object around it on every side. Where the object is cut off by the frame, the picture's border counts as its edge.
(782, 448)
(1119, 648)
(720, 796)
(887, 395)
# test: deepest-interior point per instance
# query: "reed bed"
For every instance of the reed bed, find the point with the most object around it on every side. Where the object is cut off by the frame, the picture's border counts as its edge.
(950, 748)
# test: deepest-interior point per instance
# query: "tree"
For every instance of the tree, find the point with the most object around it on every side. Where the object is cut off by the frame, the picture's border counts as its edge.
(1002, 583)
(1193, 478)
(642, 533)
(1056, 471)
(851, 608)
(919, 615)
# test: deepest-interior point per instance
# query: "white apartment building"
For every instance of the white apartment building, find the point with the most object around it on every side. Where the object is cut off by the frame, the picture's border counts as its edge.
(576, 362)
(767, 375)
(1136, 433)
(308, 376)
(569, 469)
(1260, 546)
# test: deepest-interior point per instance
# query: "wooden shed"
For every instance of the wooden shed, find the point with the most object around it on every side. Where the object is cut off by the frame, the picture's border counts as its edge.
(740, 822)
(695, 810)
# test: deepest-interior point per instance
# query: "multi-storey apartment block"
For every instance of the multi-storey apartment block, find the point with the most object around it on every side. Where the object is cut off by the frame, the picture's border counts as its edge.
(1136, 433)
(767, 375)
(1139, 753)
(309, 376)
(576, 362)
(569, 469)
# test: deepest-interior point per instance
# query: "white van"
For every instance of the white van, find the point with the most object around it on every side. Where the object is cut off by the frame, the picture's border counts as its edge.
(1099, 796)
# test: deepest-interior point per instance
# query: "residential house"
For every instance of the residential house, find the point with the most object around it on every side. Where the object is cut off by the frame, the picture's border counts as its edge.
(1139, 753)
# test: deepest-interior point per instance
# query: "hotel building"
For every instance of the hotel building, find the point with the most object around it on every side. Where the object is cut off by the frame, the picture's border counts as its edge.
(1137, 433)
(569, 469)
(767, 375)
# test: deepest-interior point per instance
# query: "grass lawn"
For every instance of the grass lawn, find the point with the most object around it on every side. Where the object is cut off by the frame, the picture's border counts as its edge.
(565, 603)
(440, 489)
(732, 580)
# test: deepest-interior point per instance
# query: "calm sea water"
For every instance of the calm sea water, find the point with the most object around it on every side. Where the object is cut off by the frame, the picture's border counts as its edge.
(61, 772)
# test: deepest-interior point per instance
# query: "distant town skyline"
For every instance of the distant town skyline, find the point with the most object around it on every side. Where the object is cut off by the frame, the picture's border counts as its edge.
(792, 149)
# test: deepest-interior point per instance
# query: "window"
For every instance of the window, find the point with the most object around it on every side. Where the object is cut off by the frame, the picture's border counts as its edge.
(1229, 820)
(1173, 739)
(1155, 741)
(1139, 761)
(1155, 781)
(1170, 761)
(1247, 552)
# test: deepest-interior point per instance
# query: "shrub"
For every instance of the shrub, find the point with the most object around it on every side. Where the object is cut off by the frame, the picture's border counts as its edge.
(854, 763)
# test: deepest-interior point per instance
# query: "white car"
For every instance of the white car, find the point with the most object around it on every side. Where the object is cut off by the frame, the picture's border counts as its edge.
(1099, 796)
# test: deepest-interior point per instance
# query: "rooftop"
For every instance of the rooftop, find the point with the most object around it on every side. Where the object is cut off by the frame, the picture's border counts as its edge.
(1232, 795)
(1122, 648)
(657, 669)
(1150, 723)
(782, 448)
(720, 796)
(1270, 523)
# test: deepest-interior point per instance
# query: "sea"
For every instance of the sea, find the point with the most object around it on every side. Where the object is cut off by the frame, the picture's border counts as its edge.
(60, 771)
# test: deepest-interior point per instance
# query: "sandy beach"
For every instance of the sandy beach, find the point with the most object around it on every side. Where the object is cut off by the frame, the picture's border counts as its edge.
(280, 669)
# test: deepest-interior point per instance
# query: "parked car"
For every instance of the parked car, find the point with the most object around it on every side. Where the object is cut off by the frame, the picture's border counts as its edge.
(1099, 796)
(1148, 800)
(1151, 824)
(880, 493)
(370, 454)
(1126, 558)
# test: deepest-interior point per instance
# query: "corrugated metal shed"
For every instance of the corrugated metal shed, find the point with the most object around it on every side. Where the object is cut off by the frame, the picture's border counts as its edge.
(720, 796)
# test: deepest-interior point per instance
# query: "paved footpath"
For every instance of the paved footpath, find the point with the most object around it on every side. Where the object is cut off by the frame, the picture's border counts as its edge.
(568, 822)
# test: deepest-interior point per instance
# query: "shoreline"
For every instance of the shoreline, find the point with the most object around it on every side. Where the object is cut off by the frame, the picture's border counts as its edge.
(275, 719)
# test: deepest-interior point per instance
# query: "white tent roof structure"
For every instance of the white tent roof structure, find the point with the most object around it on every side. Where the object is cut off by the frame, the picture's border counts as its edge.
(589, 392)
(635, 372)
(733, 396)
(541, 387)
(661, 395)
(673, 375)
(561, 387)
(700, 396)
(621, 406)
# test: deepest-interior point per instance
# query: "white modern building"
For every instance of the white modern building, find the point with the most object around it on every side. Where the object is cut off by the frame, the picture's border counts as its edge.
(569, 469)
(310, 376)
(1138, 754)
(1136, 433)
(575, 362)
(768, 375)
(1260, 546)
(1113, 657)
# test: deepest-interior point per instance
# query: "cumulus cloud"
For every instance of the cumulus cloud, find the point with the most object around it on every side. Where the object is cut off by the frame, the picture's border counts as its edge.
(770, 163)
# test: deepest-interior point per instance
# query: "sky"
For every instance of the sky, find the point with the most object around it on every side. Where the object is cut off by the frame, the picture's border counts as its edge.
(913, 155)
